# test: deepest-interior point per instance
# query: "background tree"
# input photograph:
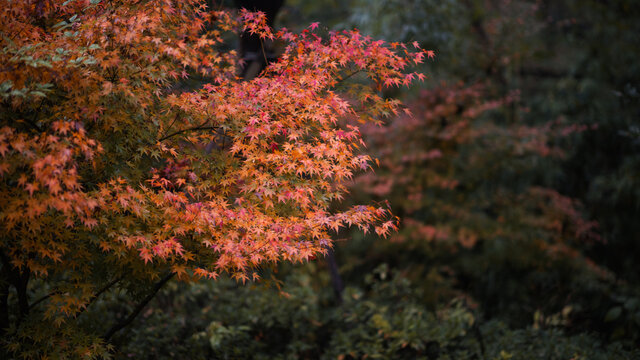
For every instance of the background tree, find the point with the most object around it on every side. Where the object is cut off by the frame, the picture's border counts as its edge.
(255, 52)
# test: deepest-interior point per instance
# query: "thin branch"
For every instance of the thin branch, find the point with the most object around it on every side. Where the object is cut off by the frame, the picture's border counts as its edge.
(129, 319)
(346, 77)
(93, 298)
(35, 303)
(175, 118)
(101, 291)
(199, 127)
(264, 54)
(31, 123)
(105, 288)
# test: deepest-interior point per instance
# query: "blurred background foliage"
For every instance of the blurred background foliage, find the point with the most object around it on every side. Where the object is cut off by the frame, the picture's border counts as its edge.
(517, 180)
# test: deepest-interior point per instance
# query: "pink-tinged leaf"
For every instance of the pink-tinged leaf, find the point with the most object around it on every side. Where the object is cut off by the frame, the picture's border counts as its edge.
(145, 254)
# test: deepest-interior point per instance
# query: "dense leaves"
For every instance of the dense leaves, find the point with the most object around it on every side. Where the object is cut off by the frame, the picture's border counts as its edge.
(382, 317)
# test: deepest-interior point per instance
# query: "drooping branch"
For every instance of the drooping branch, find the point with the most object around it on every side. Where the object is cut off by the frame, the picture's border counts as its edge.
(129, 319)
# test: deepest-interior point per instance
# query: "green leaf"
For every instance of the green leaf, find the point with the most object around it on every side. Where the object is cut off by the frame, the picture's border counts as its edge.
(613, 314)
(6, 85)
(631, 304)
(61, 23)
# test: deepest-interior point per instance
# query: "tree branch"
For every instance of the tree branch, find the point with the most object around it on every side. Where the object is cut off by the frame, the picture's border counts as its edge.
(478, 335)
(43, 299)
(101, 291)
(129, 319)
(20, 281)
(347, 76)
(336, 279)
(93, 298)
(4, 298)
(199, 127)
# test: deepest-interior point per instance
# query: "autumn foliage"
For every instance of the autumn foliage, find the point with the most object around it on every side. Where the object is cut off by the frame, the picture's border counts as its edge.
(111, 174)
(440, 186)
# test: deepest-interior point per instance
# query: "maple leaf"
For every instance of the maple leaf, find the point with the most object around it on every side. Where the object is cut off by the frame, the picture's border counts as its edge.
(145, 254)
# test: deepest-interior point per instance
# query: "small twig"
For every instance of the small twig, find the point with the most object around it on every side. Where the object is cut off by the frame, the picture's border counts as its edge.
(173, 122)
(44, 298)
(129, 319)
(264, 53)
(101, 291)
(348, 76)
(93, 298)
(199, 127)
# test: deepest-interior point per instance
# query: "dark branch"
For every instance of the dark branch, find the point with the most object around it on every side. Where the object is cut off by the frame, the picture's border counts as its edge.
(93, 298)
(336, 279)
(101, 291)
(4, 298)
(105, 288)
(35, 303)
(478, 335)
(129, 319)
(347, 76)
(199, 127)
(20, 280)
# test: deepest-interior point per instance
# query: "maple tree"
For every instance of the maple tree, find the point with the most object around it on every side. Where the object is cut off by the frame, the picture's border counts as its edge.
(113, 177)
(494, 258)
(452, 176)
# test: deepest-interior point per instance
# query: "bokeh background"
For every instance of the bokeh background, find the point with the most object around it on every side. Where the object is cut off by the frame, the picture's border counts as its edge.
(517, 182)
